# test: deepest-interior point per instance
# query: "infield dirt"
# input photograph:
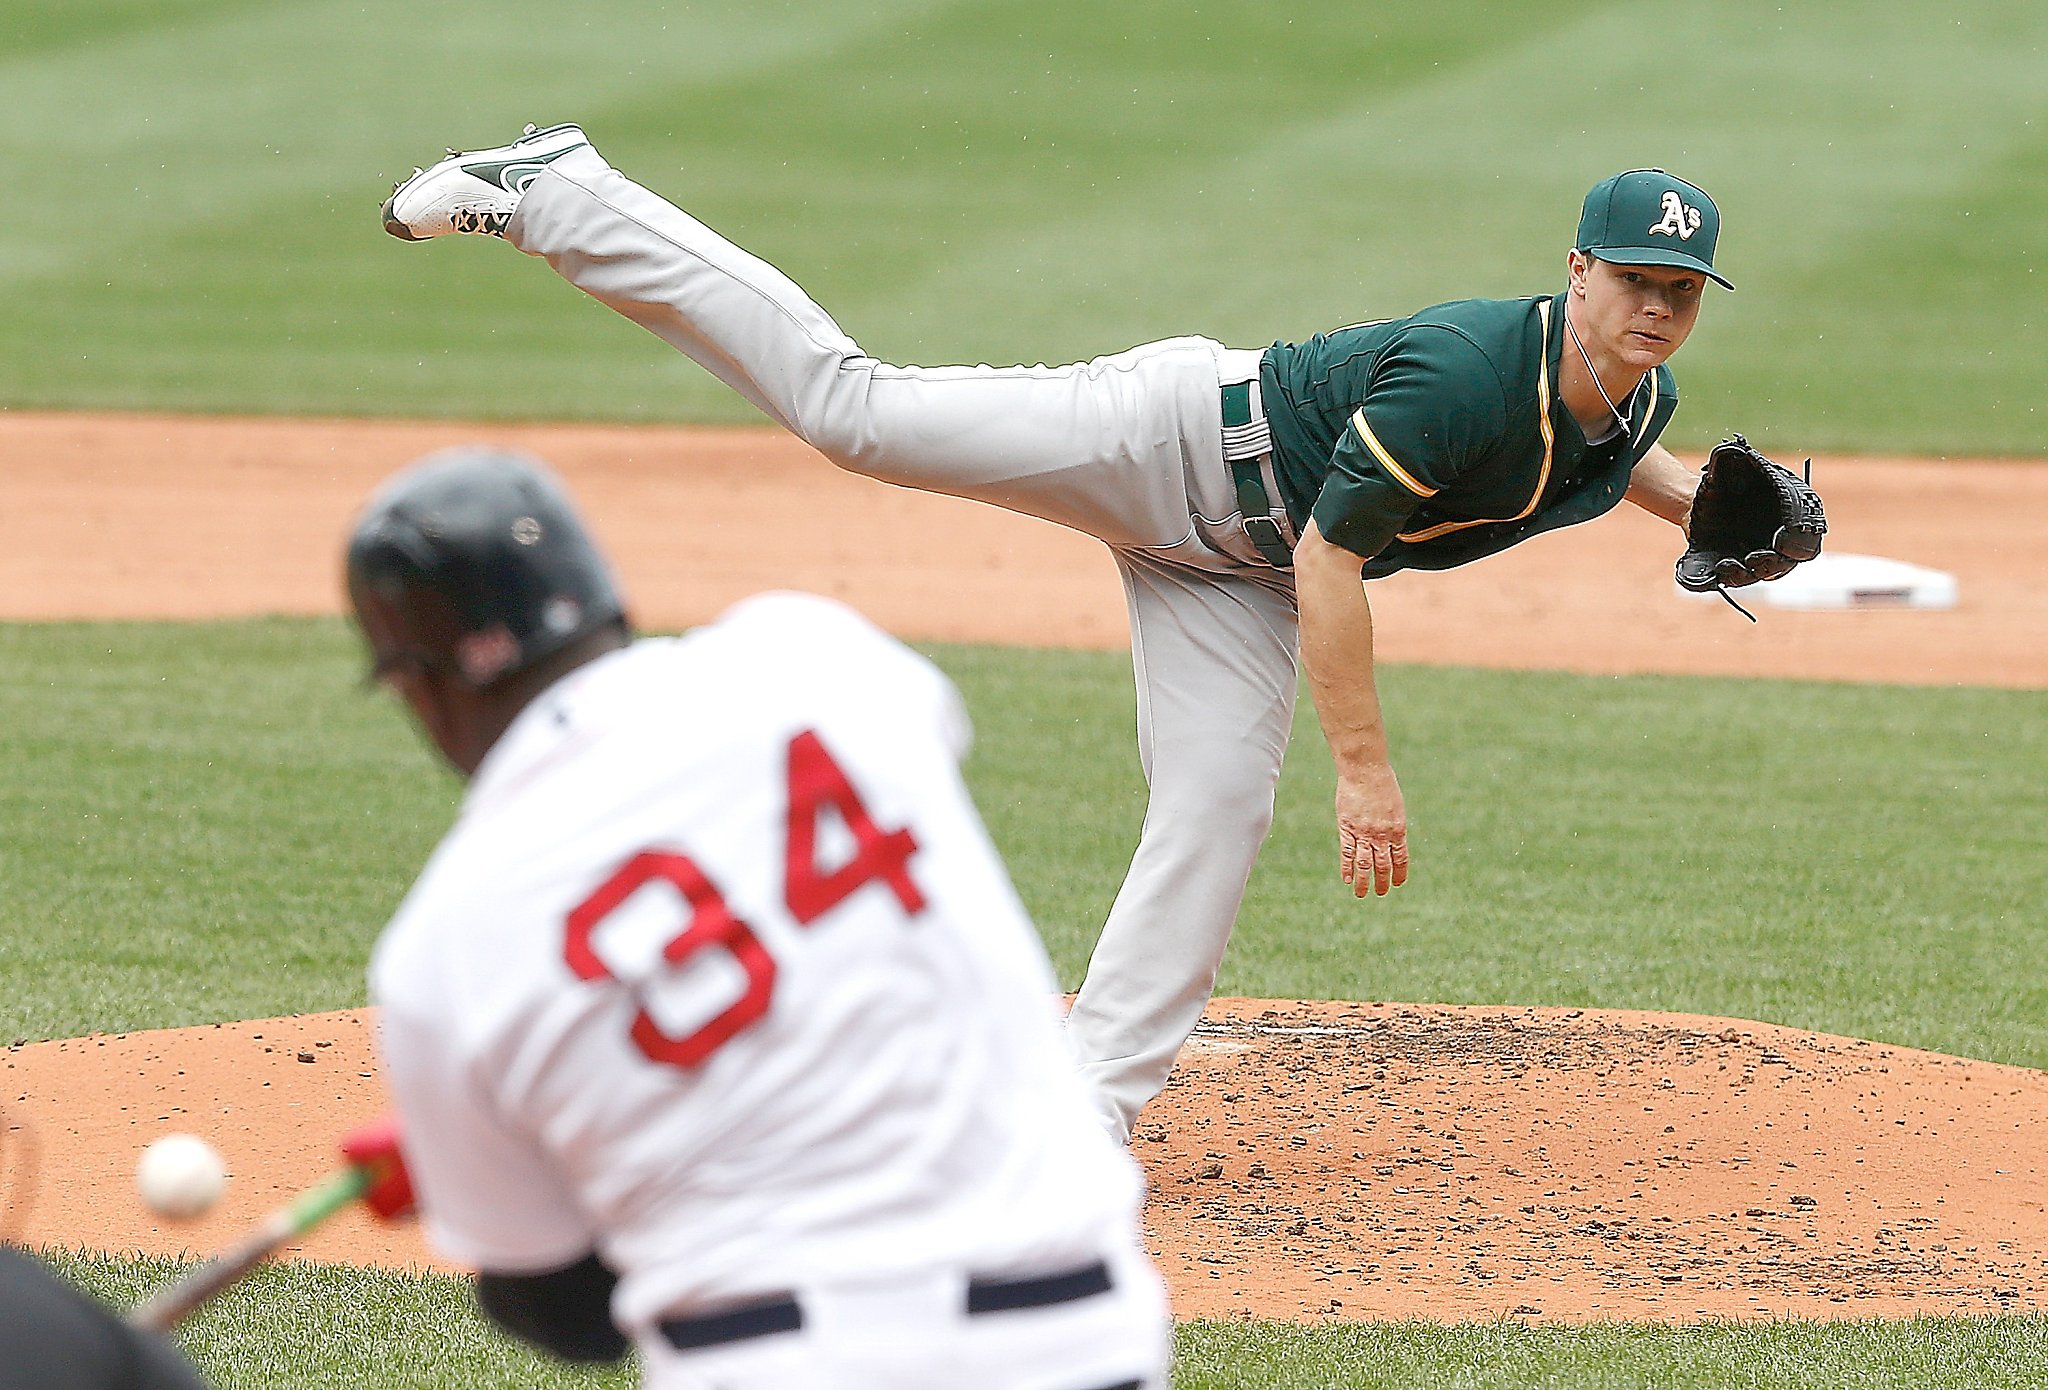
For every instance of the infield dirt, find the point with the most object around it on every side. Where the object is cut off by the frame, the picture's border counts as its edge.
(1310, 1161)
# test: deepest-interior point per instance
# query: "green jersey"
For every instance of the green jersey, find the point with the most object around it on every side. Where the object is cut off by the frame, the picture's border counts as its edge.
(1430, 441)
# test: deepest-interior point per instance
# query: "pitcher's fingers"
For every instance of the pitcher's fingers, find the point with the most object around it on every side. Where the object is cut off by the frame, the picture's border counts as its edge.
(1382, 868)
(1400, 858)
(1362, 869)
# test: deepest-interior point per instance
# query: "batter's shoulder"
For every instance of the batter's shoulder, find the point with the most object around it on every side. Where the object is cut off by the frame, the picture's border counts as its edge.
(790, 632)
(840, 658)
(794, 608)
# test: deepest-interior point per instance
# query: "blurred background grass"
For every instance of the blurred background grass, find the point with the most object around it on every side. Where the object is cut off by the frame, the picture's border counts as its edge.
(193, 186)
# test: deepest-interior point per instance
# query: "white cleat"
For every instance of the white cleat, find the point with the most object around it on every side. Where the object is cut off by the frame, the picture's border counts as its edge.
(477, 191)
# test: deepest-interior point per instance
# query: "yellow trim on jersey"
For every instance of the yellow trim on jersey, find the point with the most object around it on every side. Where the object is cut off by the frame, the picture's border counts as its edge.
(1379, 451)
(1649, 407)
(1549, 440)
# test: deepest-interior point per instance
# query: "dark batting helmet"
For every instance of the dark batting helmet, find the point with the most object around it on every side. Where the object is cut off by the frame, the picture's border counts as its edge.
(473, 561)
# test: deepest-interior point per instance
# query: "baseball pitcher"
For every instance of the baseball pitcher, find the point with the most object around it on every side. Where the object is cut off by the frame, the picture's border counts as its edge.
(1242, 493)
(714, 1024)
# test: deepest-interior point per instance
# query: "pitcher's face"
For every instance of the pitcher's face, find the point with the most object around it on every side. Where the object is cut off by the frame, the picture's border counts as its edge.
(1637, 315)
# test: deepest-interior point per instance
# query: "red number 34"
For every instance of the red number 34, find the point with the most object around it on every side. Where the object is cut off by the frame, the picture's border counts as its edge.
(816, 783)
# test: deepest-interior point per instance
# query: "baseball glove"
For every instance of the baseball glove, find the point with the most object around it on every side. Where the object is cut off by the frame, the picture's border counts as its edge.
(1751, 520)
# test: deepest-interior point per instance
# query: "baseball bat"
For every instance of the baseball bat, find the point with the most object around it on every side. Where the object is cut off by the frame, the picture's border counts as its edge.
(169, 1305)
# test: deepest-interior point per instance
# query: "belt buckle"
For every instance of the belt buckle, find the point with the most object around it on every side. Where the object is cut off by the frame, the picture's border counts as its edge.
(1266, 534)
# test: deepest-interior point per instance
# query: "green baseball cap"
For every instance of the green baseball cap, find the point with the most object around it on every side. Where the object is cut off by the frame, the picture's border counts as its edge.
(1649, 217)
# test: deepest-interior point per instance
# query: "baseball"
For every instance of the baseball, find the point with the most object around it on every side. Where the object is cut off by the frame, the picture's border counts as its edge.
(180, 1176)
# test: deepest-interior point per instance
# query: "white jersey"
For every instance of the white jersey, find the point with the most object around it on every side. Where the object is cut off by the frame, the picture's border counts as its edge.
(718, 975)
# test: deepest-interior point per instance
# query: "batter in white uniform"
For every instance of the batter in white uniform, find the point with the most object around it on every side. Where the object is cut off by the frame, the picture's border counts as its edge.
(714, 1019)
(1229, 485)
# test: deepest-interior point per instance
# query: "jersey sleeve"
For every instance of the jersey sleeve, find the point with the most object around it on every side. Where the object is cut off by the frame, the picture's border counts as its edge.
(487, 1195)
(1431, 409)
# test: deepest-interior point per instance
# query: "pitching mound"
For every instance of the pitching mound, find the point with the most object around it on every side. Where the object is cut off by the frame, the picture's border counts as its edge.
(1307, 1162)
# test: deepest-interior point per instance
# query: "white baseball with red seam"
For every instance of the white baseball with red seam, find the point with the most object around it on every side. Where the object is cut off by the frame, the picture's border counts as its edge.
(180, 1176)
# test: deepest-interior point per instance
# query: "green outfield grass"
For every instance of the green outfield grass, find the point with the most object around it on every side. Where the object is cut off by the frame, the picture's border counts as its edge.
(192, 190)
(292, 1326)
(208, 821)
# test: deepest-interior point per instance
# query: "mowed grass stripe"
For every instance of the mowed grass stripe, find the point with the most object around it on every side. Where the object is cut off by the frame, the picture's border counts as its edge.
(40, 28)
(207, 821)
(804, 143)
(1122, 185)
(1844, 133)
(205, 236)
(260, 121)
(1020, 182)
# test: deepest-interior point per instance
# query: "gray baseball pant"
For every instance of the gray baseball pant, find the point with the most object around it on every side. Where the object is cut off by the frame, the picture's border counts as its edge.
(1126, 448)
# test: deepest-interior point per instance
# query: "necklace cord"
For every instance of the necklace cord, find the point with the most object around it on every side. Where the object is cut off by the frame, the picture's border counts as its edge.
(1585, 357)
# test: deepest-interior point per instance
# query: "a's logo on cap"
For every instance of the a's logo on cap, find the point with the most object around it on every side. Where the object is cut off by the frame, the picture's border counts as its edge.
(1679, 219)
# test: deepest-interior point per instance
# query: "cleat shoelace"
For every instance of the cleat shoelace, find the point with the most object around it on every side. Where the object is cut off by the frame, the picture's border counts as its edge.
(479, 220)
